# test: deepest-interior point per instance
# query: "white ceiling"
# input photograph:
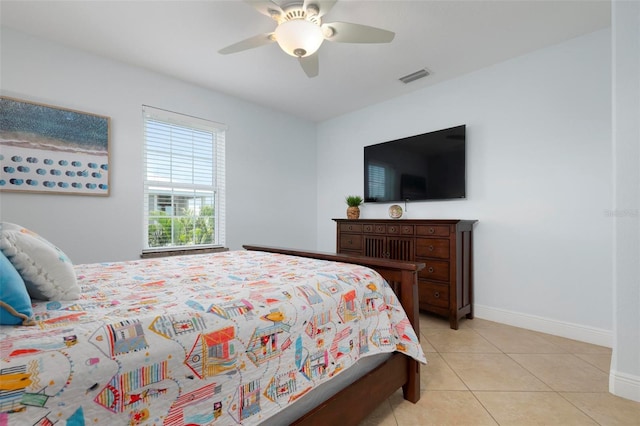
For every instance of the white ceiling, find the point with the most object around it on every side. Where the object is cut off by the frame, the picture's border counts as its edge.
(181, 39)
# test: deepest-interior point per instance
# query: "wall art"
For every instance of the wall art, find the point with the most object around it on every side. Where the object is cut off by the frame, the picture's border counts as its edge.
(48, 149)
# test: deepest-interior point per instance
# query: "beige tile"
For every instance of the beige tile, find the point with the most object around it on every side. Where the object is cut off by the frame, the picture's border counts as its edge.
(564, 372)
(426, 346)
(462, 340)
(532, 408)
(428, 321)
(464, 323)
(478, 323)
(516, 387)
(607, 409)
(440, 408)
(495, 372)
(600, 361)
(518, 340)
(574, 346)
(381, 416)
(437, 375)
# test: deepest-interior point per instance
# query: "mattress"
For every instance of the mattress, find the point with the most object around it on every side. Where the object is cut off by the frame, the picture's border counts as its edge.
(230, 338)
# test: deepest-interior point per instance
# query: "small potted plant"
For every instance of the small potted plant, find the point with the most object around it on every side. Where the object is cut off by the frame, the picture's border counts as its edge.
(354, 202)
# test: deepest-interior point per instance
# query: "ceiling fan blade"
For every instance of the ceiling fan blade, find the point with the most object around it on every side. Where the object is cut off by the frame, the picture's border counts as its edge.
(267, 7)
(345, 32)
(310, 65)
(250, 43)
(323, 6)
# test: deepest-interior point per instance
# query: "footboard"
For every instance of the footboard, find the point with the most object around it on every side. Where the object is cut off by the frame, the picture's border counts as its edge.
(403, 277)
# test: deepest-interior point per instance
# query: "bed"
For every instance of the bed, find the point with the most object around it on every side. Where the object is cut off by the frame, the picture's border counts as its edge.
(153, 342)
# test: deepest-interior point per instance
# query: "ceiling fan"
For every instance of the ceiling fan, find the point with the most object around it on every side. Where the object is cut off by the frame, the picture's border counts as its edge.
(300, 31)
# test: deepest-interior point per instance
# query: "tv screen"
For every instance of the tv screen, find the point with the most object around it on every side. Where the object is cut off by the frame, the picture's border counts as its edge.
(430, 166)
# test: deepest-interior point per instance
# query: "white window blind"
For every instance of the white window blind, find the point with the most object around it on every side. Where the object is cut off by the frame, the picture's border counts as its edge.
(184, 188)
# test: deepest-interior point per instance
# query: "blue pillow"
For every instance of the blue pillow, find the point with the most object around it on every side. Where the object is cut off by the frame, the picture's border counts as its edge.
(15, 303)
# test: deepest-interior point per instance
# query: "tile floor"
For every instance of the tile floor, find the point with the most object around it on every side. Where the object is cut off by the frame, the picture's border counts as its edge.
(486, 373)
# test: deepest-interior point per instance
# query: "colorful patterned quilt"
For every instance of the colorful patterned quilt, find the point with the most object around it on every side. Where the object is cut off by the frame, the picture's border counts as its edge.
(229, 338)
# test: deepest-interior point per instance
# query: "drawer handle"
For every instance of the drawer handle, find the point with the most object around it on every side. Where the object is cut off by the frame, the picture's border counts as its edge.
(350, 242)
(430, 269)
(430, 248)
(350, 228)
(392, 229)
(431, 230)
(436, 295)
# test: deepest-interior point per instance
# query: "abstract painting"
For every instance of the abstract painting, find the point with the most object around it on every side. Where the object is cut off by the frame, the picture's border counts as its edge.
(48, 149)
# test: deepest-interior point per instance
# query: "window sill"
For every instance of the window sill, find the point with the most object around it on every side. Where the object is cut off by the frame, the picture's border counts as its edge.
(181, 252)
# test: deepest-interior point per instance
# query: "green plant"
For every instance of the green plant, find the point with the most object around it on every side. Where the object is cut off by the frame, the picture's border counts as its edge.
(353, 200)
(186, 229)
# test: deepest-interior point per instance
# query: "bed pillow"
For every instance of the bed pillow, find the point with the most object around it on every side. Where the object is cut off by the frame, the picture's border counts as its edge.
(47, 272)
(15, 304)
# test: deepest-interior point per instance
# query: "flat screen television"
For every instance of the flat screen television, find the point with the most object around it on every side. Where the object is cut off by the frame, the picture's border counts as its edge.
(430, 166)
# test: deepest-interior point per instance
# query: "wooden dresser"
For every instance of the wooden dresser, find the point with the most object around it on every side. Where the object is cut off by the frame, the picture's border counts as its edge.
(445, 285)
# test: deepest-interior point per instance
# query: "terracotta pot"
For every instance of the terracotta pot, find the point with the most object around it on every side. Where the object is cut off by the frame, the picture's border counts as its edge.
(353, 212)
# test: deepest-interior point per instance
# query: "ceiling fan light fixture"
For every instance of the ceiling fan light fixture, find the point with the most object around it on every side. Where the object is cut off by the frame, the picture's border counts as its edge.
(299, 37)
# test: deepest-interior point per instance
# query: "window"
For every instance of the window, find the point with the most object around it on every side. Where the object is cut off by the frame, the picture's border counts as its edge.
(184, 197)
(376, 181)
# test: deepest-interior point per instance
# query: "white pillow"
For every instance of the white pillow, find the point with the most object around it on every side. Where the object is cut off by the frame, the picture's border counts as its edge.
(47, 272)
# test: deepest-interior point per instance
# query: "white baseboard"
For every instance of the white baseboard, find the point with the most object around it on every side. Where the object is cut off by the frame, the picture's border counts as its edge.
(596, 336)
(624, 385)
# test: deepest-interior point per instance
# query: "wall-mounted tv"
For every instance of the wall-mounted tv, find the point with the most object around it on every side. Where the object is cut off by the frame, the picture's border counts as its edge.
(430, 166)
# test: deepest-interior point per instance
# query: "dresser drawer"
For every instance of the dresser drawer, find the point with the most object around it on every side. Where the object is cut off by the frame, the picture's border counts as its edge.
(350, 242)
(350, 227)
(406, 229)
(433, 294)
(432, 230)
(375, 228)
(393, 229)
(435, 270)
(432, 247)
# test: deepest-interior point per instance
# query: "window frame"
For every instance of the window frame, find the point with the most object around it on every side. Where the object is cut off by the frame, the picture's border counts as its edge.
(217, 187)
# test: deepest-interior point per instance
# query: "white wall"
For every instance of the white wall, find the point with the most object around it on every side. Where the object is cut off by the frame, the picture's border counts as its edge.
(270, 155)
(539, 181)
(624, 378)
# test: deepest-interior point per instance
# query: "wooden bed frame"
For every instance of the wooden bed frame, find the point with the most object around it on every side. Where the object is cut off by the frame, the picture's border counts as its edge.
(357, 401)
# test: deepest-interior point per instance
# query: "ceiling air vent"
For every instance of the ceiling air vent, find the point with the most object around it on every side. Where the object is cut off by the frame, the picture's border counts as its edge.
(414, 76)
